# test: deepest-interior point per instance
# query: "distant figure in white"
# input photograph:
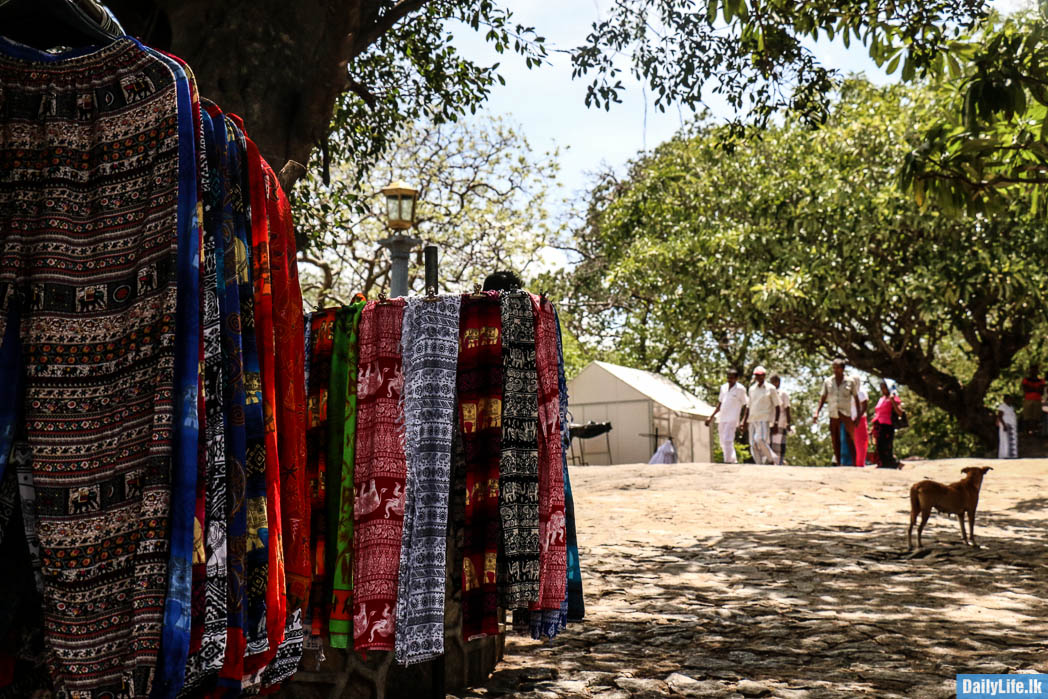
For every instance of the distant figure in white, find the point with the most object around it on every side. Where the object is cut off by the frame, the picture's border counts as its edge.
(665, 454)
(730, 404)
(1007, 430)
(762, 411)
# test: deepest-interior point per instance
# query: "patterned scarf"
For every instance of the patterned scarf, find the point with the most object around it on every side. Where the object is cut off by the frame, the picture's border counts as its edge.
(379, 478)
(276, 595)
(336, 416)
(105, 348)
(231, 673)
(257, 565)
(480, 425)
(210, 579)
(188, 350)
(430, 358)
(519, 468)
(576, 607)
(288, 329)
(553, 559)
(341, 624)
(322, 326)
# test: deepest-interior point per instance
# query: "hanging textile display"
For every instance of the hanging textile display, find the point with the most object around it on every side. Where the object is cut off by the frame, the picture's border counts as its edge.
(322, 333)
(518, 467)
(197, 481)
(380, 476)
(576, 608)
(102, 347)
(231, 670)
(429, 347)
(480, 424)
(341, 624)
(208, 637)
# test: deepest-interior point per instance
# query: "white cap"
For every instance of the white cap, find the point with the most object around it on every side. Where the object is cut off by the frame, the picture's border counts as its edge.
(760, 370)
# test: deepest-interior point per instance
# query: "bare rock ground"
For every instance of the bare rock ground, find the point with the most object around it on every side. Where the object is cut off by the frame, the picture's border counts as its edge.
(707, 580)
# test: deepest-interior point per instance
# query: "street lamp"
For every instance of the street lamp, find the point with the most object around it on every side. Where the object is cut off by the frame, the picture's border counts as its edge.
(400, 217)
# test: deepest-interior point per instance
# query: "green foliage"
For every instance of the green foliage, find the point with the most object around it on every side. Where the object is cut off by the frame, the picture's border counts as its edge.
(993, 142)
(797, 245)
(753, 52)
(413, 73)
(483, 199)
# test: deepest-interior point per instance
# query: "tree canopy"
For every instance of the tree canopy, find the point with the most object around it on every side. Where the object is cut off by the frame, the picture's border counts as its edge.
(284, 66)
(800, 242)
(992, 144)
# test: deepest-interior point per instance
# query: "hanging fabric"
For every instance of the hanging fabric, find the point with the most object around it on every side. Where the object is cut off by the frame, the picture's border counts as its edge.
(480, 424)
(341, 623)
(381, 471)
(210, 579)
(288, 330)
(429, 347)
(519, 468)
(105, 347)
(576, 609)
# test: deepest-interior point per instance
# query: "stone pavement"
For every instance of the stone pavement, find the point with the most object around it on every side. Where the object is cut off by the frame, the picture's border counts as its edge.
(746, 581)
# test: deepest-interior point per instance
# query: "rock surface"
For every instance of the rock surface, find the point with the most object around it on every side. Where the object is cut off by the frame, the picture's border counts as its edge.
(743, 581)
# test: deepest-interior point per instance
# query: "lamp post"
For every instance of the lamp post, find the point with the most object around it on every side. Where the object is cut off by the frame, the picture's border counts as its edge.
(400, 216)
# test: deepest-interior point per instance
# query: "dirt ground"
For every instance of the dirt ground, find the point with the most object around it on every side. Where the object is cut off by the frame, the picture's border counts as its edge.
(727, 581)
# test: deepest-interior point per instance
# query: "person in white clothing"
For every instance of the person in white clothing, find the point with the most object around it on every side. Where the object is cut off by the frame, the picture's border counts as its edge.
(782, 427)
(762, 411)
(1007, 430)
(730, 404)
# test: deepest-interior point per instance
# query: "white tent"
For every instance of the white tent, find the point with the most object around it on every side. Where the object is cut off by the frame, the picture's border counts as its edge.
(639, 405)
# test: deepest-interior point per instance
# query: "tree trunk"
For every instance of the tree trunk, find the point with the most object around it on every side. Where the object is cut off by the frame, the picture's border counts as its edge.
(965, 403)
(280, 65)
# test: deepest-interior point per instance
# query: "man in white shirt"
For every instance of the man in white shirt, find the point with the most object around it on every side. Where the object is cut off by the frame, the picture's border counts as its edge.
(730, 404)
(761, 412)
(782, 426)
(839, 393)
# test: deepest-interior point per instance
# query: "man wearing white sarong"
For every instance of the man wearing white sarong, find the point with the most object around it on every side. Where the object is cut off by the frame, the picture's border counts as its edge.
(761, 413)
(1007, 430)
(730, 404)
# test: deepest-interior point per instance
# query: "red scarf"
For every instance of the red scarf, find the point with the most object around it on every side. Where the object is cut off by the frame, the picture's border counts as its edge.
(276, 594)
(322, 338)
(380, 476)
(288, 331)
(480, 422)
(553, 556)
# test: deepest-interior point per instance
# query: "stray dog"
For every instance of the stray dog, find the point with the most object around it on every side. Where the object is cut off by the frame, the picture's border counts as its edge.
(954, 499)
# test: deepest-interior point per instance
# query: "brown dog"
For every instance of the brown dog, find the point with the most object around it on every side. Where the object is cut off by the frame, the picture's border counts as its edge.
(954, 499)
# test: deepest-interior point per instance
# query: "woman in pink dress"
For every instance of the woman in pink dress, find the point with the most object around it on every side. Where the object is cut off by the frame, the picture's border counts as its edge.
(883, 427)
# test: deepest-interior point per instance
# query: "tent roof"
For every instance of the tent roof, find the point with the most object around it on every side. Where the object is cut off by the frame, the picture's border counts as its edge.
(660, 389)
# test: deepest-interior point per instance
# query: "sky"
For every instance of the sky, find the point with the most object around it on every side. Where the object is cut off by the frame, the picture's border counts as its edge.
(549, 106)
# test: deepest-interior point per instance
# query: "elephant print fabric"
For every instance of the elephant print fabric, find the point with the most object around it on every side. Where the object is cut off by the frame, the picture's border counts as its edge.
(480, 425)
(553, 561)
(380, 476)
(430, 363)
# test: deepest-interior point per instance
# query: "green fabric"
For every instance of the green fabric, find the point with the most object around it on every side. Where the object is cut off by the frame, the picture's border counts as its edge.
(340, 537)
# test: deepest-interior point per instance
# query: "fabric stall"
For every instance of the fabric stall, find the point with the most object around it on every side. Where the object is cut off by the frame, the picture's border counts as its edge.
(197, 480)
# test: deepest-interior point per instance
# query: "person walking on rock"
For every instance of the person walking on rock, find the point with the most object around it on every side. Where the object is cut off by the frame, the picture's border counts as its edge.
(839, 394)
(884, 425)
(760, 414)
(781, 428)
(730, 404)
(1007, 429)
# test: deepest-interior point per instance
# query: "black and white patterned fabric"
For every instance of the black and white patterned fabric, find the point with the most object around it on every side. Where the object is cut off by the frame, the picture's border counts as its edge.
(429, 347)
(519, 474)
